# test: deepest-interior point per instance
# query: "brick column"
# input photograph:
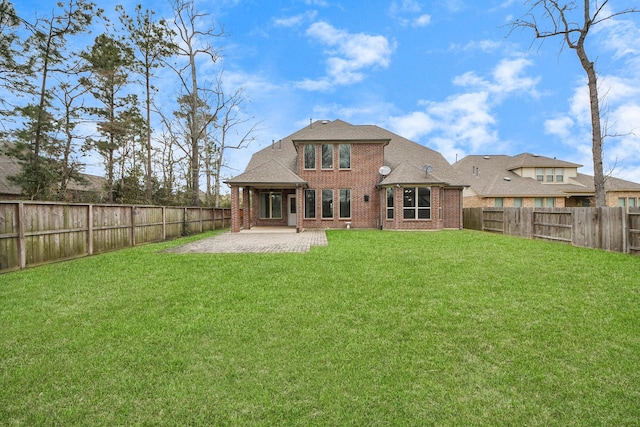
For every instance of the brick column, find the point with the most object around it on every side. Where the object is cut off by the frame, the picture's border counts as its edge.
(300, 208)
(235, 209)
(246, 199)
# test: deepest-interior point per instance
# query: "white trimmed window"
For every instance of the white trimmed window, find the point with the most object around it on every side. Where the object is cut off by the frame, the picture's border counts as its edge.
(327, 156)
(345, 203)
(327, 204)
(270, 205)
(310, 156)
(310, 204)
(416, 203)
(389, 203)
(344, 152)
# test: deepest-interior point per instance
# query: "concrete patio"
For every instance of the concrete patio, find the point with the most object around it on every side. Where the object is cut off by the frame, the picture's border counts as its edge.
(257, 240)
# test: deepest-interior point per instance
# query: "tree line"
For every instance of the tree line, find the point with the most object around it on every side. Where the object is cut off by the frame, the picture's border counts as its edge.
(65, 100)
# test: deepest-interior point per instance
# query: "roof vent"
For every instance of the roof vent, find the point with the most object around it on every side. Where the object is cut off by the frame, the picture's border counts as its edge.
(536, 155)
(324, 122)
(506, 178)
(487, 157)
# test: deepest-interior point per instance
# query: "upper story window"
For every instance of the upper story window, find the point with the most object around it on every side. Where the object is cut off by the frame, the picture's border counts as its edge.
(310, 156)
(344, 151)
(550, 174)
(327, 156)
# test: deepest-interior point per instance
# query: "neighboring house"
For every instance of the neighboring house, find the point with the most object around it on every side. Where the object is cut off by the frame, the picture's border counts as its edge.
(529, 180)
(92, 190)
(332, 174)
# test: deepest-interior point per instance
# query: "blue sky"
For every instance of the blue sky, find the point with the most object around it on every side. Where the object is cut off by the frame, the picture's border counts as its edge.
(449, 74)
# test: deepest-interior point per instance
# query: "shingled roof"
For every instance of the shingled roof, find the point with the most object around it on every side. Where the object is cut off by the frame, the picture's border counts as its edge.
(405, 158)
(493, 176)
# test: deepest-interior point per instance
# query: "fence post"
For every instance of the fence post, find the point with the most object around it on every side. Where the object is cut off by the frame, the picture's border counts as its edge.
(164, 223)
(90, 229)
(625, 232)
(22, 248)
(133, 225)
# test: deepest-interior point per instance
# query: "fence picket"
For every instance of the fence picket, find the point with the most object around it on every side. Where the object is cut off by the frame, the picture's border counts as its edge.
(33, 233)
(611, 229)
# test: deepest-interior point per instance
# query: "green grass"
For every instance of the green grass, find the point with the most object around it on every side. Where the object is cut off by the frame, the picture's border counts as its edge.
(378, 328)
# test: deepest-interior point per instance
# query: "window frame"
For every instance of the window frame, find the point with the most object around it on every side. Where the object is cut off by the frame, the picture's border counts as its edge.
(341, 158)
(416, 208)
(329, 200)
(517, 202)
(328, 157)
(347, 200)
(307, 207)
(390, 194)
(270, 198)
(306, 156)
(549, 174)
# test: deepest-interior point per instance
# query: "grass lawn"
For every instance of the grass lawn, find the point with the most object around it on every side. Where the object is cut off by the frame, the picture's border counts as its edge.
(378, 328)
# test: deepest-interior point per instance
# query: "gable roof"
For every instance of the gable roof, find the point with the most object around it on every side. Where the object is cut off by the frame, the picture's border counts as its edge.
(529, 160)
(337, 130)
(407, 160)
(269, 173)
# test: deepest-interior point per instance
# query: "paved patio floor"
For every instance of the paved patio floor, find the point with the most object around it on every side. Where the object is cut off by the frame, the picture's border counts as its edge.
(257, 240)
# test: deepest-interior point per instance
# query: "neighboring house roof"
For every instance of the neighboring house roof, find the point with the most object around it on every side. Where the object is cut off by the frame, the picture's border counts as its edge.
(9, 166)
(493, 176)
(533, 160)
(405, 158)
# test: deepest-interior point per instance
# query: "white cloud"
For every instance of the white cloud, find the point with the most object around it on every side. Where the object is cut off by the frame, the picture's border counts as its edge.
(507, 77)
(348, 55)
(296, 20)
(466, 121)
(422, 20)
(409, 13)
(561, 126)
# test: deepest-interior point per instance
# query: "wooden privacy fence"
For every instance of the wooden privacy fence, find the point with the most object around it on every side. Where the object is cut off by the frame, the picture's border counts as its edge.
(611, 229)
(33, 233)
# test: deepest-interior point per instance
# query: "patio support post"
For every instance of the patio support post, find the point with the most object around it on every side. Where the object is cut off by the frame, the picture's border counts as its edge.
(235, 209)
(299, 208)
(246, 200)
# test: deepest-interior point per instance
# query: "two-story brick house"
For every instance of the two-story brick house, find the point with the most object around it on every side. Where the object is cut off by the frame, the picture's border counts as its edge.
(332, 174)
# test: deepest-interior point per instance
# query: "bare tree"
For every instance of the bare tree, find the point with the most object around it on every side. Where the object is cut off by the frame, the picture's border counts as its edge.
(231, 134)
(572, 21)
(193, 43)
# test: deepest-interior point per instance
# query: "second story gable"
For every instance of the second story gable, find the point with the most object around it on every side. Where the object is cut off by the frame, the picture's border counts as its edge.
(338, 151)
(544, 170)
